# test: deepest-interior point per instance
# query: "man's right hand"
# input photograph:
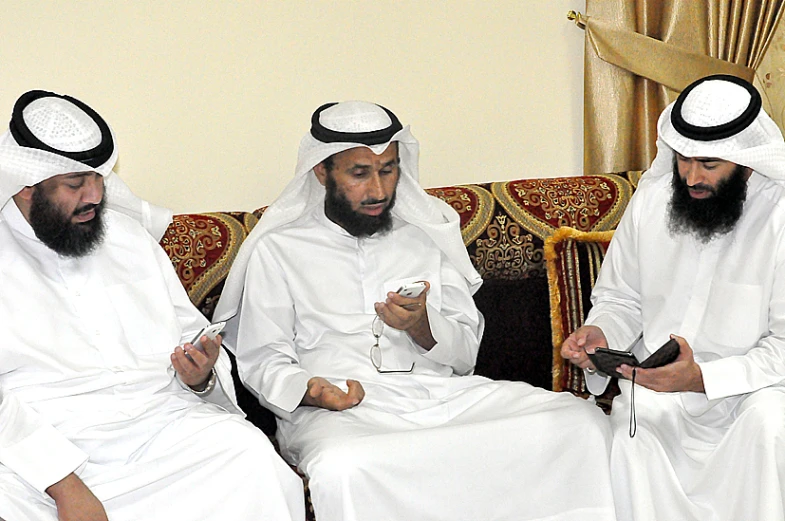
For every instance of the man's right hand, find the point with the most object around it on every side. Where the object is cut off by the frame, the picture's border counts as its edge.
(321, 393)
(576, 345)
(75, 502)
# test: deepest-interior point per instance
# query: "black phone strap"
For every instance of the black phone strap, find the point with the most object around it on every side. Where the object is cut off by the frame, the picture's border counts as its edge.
(633, 418)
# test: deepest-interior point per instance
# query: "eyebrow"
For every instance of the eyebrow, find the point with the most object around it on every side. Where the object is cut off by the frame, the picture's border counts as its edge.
(76, 175)
(360, 166)
(704, 159)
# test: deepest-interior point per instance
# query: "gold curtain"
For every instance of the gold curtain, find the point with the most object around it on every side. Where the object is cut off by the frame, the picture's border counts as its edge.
(641, 53)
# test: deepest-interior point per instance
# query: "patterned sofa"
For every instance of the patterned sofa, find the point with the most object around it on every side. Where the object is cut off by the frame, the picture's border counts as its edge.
(537, 243)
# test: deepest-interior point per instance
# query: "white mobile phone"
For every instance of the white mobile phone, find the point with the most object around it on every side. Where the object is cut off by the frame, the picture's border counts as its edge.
(210, 332)
(412, 290)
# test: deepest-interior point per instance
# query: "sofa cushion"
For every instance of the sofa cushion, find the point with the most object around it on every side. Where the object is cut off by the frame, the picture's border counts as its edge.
(573, 260)
(508, 253)
(504, 226)
(202, 248)
(588, 203)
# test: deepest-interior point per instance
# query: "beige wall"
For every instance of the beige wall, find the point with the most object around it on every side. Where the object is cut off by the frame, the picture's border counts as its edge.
(209, 99)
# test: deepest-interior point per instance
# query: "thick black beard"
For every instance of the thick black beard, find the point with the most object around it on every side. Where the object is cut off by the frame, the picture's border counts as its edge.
(57, 231)
(711, 217)
(339, 210)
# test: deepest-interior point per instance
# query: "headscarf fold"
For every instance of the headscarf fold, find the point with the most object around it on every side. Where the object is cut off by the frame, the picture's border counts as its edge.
(56, 129)
(713, 103)
(413, 205)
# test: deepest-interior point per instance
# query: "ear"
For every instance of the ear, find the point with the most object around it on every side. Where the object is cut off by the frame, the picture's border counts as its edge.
(24, 199)
(321, 173)
(25, 194)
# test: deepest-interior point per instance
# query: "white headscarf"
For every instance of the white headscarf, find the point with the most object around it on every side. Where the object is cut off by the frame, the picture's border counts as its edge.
(64, 126)
(715, 101)
(412, 204)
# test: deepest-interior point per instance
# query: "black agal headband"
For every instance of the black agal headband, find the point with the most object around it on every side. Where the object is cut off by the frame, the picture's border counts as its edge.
(94, 157)
(374, 137)
(724, 130)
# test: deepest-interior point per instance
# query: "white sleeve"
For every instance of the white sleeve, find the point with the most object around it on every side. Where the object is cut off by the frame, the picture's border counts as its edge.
(764, 364)
(191, 322)
(32, 448)
(266, 356)
(616, 297)
(458, 326)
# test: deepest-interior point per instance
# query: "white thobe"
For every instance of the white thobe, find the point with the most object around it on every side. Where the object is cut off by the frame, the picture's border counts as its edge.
(718, 455)
(435, 444)
(86, 386)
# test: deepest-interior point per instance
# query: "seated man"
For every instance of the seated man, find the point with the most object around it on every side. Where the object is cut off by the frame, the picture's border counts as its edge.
(101, 416)
(373, 390)
(699, 256)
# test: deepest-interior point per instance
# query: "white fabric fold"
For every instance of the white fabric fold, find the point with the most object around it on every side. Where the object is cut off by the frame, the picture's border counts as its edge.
(413, 205)
(22, 166)
(759, 146)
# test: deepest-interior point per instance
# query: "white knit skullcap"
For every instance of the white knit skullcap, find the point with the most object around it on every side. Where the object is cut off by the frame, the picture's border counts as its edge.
(354, 117)
(714, 102)
(727, 107)
(62, 125)
(67, 133)
(375, 128)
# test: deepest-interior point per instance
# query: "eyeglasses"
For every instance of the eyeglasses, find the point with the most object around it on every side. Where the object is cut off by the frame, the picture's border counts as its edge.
(376, 352)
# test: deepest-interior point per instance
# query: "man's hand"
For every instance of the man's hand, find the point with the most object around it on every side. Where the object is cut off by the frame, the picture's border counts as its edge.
(196, 372)
(582, 340)
(408, 314)
(321, 393)
(683, 374)
(75, 502)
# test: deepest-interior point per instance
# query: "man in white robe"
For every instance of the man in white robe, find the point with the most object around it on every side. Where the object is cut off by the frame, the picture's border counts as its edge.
(101, 415)
(699, 255)
(374, 391)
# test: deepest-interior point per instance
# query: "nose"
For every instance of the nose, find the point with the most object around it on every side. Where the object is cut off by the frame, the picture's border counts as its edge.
(94, 189)
(692, 174)
(375, 188)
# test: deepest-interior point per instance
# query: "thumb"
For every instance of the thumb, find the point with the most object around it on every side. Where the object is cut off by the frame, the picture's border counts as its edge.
(315, 388)
(356, 390)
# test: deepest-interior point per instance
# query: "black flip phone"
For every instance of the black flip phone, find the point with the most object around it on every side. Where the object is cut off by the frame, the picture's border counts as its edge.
(666, 354)
(607, 360)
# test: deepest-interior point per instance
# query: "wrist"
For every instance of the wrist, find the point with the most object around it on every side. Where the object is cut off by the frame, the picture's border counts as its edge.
(697, 385)
(422, 335)
(65, 487)
(206, 386)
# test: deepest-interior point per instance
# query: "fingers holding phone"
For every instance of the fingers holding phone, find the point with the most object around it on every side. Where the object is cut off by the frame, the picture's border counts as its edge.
(580, 343)
(194, 361)
(405, 307)
(672, 368)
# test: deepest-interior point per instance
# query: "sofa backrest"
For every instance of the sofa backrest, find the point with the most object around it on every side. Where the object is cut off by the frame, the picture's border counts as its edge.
(504, 227)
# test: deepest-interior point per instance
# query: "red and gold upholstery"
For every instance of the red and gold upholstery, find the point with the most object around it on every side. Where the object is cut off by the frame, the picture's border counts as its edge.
(202, 248)
(509, 229)
(504, 226)
(573, 259)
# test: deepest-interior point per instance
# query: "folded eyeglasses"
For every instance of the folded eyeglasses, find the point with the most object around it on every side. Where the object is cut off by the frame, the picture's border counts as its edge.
(377, 328)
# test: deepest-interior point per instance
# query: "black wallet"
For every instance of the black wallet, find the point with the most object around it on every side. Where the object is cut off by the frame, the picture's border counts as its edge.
(607, 360)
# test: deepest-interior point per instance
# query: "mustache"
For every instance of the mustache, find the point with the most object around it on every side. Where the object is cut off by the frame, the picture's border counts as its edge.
(702, 187)
(86, 208)
(369, 202)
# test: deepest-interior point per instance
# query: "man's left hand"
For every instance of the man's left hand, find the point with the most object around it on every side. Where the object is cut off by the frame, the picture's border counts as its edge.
(196, 372)
(408, 314)
(683, 374)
